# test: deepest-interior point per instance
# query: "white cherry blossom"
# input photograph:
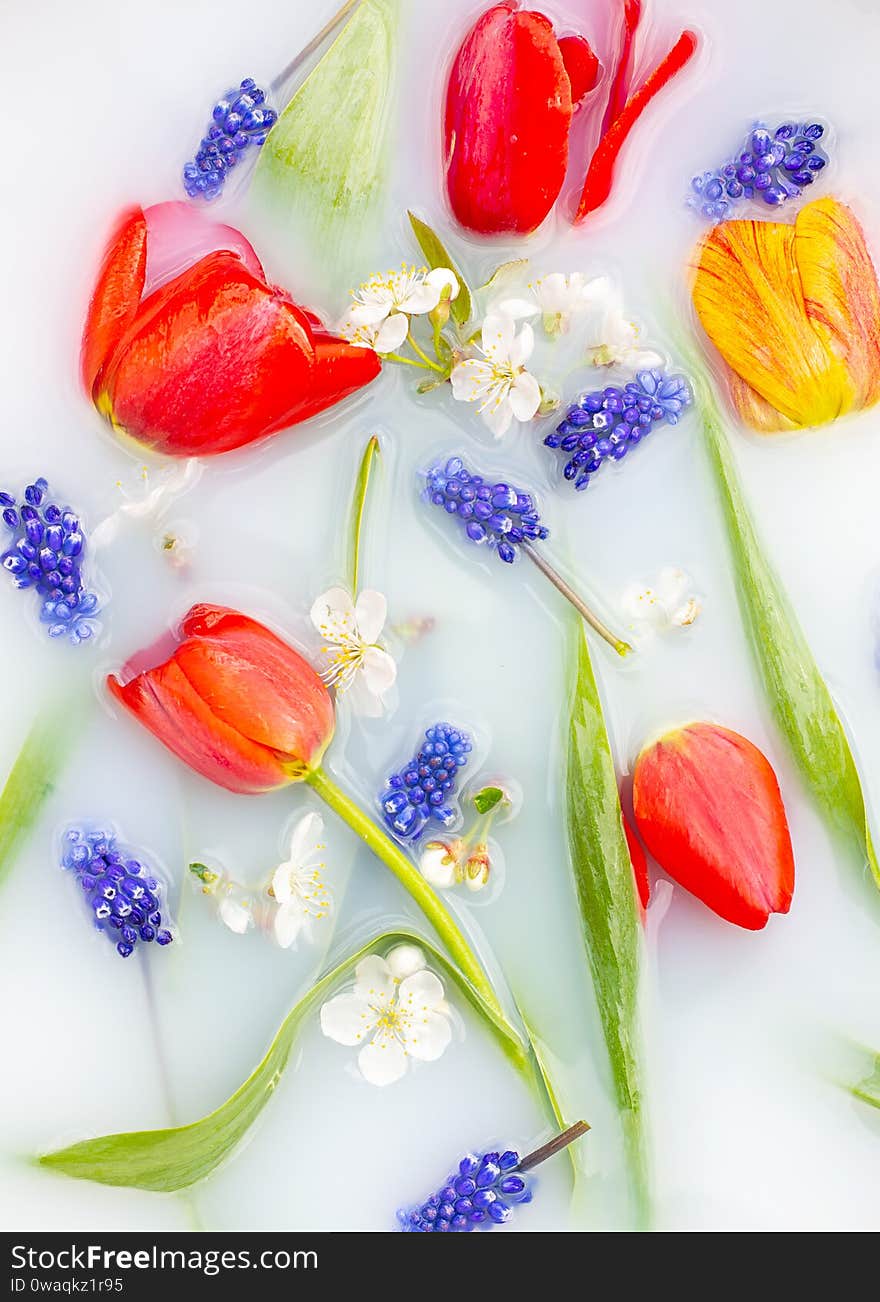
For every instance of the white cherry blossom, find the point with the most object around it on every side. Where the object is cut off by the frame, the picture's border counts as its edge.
(498, 381)
(356, 661)
(395, 1012)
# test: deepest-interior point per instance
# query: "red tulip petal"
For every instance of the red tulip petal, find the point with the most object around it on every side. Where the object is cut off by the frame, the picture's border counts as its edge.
(340, 370)
(256, 683)
(507, 118)
(639, 863)
(708, 807)
(116, 297)
(581, 65)
(165, 703)
(180, 235)
(213, 361)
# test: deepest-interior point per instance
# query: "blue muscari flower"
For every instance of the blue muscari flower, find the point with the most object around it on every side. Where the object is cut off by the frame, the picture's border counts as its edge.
(240, 119)
(422, 789)
(479, 1195)
(46, 551)
(498, 515)
(605, 424)
(123, 896)
(773, 167)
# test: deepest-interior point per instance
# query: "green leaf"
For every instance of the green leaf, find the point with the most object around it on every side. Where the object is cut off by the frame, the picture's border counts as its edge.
(505, 271)
(487, 799)
(176, 1157)
(34, 774)
(609, 910)
(358, 505)
(795, 689)
(436, 256)
(322, 168)
(868, 1090)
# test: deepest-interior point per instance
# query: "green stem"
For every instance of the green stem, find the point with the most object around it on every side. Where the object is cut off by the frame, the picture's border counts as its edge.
(412, 880)
(410, 361)
(424, 356)
(358, 506)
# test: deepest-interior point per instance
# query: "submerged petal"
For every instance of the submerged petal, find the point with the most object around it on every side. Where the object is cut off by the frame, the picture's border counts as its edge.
(751, 301)
(840, 289)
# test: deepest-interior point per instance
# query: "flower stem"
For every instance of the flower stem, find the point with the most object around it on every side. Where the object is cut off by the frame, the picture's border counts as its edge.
(412, 880)
(308, 50)
(579, 604)
(358, 506)
(424, 356)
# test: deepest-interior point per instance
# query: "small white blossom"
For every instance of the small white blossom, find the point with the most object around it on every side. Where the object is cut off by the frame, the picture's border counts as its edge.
(379, 315)
(557, 298)
(439, 864)
(612, 338)
(499, 381)
(395, 1012)
(236, 912)
(298, 885)
(151, 503)
(669, 602)
(356, 660)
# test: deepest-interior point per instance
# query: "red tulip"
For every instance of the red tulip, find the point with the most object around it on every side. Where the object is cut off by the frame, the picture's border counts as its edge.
(707, 805)
(509, 104)
(234, 702)
(189, 350)
(639, 862)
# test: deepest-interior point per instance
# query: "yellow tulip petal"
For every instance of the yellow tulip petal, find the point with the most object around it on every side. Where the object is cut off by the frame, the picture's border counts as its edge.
(840, 290)
(754, 410)
(749, 298)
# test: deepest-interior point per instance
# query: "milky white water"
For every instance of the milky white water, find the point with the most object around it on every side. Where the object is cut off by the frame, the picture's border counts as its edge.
(750, 1130)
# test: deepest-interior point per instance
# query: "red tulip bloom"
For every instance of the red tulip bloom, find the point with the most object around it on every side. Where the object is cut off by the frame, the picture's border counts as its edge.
(509, 104)
(707, 805)
(189, 350)
(234, 702)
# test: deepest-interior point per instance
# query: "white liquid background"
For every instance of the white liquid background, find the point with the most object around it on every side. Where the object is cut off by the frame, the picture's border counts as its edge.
(750, 1131)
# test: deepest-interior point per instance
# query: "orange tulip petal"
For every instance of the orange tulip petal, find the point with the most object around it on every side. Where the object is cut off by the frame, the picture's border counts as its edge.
(749, 298)
(117, 295)
(165, 703)
(840, 290)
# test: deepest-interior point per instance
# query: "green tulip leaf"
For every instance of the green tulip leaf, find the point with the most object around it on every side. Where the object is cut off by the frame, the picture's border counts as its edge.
(606, 891)
(323, 165)
(174, 1158)
(795, 689)
(34, 774)
(435, 255)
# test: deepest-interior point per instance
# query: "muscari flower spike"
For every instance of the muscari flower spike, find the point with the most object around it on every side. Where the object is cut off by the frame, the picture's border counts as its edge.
(124, 897)
(421, 790)
(46, 553)
(483, 1191)
(506, 520)
(240, 121)
(774, 167)
(605, 424)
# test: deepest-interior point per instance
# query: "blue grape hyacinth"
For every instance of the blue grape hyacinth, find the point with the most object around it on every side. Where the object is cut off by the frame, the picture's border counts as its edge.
(422, 789)
(123, 896)
(772, 166)
(479, 1195)
(606, 424)
(240, 121)
(494, 514)
(45, 552)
